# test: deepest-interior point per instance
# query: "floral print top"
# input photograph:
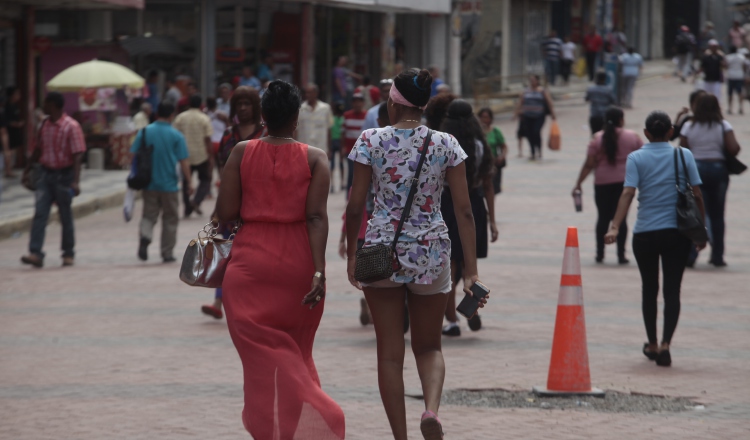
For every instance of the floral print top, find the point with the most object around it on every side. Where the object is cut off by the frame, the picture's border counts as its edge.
(423, 246)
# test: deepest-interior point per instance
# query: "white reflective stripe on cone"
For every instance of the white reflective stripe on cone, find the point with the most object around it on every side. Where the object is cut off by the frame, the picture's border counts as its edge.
(570, 296)
(571, 261)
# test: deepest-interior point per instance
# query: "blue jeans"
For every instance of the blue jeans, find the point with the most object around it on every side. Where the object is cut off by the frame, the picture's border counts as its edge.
(715, 179)
(53, 186)
(551, 69)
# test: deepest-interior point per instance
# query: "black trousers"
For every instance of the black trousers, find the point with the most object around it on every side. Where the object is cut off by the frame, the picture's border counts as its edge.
(204, 184)
(596, 123)
(673, 248)
(607, 197)
(565, 67)
(531, 128)
(591, 64)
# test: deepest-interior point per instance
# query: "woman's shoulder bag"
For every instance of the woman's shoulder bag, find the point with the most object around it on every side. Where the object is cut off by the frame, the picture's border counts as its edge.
(690, 221)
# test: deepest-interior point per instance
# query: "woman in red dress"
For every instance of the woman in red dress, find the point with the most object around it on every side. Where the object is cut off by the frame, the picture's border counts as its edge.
(275, 281)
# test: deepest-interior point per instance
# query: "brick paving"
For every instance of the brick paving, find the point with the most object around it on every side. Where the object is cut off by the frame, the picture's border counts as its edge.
(114, 348)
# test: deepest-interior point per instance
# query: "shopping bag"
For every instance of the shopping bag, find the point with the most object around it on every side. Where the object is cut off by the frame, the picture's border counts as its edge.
(580, 67)
(554, 136)
(128, 204)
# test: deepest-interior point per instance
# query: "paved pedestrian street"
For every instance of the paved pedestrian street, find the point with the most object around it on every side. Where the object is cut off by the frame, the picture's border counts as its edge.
(117, 349)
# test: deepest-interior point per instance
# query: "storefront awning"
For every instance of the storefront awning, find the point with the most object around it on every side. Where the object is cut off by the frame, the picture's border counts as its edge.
(79, 4)
(402, 6)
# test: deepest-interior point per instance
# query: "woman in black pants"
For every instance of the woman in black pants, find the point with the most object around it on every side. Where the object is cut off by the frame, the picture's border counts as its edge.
(655, 236)
(606, 156)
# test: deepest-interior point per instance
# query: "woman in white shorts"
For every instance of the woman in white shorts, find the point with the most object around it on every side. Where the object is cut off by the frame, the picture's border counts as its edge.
(387, 158)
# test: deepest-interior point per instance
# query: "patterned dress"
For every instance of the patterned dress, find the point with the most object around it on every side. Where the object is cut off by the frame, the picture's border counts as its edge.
(423, 247)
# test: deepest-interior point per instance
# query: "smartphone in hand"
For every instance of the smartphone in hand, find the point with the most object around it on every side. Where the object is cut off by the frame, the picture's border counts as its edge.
(470, 304)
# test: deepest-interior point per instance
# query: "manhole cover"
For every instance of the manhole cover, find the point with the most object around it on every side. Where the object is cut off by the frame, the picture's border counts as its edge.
(614, 402)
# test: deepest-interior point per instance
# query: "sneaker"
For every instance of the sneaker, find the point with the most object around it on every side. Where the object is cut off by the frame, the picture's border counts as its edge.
(364, 313)
(169, 259)
(143, 249)
(452, 329)
(475, 323)
(68, 261)
(33, 260)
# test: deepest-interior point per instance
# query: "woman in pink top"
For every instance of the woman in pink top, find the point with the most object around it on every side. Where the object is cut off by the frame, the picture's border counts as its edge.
(607, 154)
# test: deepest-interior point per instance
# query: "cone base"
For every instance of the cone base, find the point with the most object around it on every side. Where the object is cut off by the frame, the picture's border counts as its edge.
(544, 392)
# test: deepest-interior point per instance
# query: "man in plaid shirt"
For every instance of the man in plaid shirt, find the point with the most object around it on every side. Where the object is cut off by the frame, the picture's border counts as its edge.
(60, 147)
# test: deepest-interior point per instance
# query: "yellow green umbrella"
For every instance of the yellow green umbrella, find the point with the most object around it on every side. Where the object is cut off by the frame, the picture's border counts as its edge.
(94, 74)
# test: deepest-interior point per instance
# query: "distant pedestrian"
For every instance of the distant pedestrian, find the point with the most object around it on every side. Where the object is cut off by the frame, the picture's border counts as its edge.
(737, 68)
(343, 82)
(218, 124)
(161, 195)
(354, 119)
(266, 72)
(337, 134)
(315, 120)
(532, 109)
(15, 125)
(437, 107)
(461, 123)
(499, 148)
(707, 35)
(371, 120)
(222, 102)
(632, 65)
(568, 58)
(685, 114)
(59, 151)
(712, 66)
(196, 127)
(617, 42)
(248, 78)
(423, 248)
(551, 53)
(436, 81)
(173, 94)
(274, 285)
(369, 92)
(6, 154)
(599, 96)
(709, 137)
(684, 45)
(143, 117)
(184, 103)
(246, 114)
(736, 35)
(607, 154)
(592, 45)
(152, 84)
(655, 236)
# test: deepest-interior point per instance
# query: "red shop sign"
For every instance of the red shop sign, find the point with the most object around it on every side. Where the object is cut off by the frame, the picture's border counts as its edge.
(41, 44)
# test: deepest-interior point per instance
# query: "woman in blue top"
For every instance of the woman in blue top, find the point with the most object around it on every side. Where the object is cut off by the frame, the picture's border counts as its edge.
(655, 235)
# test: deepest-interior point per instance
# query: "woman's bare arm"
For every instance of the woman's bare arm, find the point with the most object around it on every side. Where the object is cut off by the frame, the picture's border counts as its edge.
(354, 212)
(316, 212)
(684, 143)
(731, 144)
(628, 193)
(586, 169)
(230, 192)
(489, 197)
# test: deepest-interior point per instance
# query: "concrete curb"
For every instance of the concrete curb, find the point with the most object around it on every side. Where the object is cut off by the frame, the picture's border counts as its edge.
(22, 224)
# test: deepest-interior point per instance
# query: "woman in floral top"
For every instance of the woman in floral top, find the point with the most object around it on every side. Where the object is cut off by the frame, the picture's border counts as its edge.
(387, 158)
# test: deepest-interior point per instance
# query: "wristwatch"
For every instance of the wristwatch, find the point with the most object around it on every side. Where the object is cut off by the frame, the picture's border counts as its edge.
(319, 275)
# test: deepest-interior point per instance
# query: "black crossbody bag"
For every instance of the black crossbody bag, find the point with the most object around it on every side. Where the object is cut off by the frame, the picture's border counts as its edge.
(690, 221)
(380, 262)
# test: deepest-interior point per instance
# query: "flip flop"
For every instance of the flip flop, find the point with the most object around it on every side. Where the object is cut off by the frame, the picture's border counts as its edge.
(431, 427)
(651, 355)
(212, 311)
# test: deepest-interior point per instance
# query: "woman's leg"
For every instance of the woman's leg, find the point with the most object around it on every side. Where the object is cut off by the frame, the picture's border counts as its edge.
(426, 312)
(674, 255)
(450, 308)
(387, 309)
(647, 255)
(602, 222)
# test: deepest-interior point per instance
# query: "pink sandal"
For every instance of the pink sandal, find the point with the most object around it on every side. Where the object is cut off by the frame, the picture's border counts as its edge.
(431, 427)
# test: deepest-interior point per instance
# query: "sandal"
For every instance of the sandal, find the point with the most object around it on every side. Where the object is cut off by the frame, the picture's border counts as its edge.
(212, 311)
(651, 355)
(664, 359)
(431, 427)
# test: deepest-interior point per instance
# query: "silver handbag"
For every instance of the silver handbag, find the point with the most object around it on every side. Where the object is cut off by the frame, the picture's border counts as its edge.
(206, 258)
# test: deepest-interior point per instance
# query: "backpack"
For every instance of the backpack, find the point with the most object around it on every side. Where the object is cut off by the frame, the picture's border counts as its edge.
(140, 171)
(683, 43)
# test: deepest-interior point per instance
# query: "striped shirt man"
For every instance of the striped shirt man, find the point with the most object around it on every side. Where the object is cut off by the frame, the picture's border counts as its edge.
(552, 46)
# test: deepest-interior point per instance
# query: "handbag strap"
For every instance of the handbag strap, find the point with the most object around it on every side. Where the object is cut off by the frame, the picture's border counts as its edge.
(412, 189)
(684, 167)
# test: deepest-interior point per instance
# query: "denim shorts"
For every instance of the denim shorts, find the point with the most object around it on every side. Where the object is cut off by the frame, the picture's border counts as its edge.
(441, 285)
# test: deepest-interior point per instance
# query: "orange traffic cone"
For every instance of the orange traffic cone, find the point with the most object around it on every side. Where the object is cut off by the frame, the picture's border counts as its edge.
(569, 366)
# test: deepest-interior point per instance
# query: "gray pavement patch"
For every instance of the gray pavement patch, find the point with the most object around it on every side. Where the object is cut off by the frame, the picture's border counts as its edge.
(614, 402)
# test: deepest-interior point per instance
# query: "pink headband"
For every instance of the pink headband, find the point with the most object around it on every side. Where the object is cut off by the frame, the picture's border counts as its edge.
(398, 98)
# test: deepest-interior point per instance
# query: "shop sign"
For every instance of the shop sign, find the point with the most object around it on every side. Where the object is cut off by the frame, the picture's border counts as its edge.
(41, 44)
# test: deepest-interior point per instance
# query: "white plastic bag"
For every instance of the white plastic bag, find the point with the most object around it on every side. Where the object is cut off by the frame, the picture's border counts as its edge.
(128, 204)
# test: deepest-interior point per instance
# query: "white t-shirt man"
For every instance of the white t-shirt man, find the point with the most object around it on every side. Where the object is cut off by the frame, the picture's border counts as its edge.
(736, 64)
(314, 124)
(569, 51)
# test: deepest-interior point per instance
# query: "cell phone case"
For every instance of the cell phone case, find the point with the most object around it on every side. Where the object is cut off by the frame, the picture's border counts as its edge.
(470, 304)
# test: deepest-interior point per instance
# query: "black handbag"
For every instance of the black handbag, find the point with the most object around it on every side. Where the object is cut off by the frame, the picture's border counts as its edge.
(690, 221)
(380, 262)
(141, 168)
(734, 166)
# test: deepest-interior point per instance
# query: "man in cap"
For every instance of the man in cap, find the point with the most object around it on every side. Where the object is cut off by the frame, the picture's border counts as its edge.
(371, 120)
(712, 67)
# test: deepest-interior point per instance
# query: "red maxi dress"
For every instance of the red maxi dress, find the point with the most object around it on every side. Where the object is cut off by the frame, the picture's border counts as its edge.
(269, 273)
